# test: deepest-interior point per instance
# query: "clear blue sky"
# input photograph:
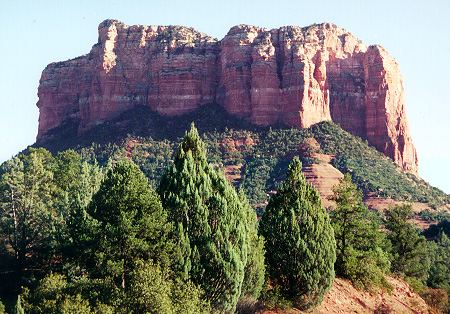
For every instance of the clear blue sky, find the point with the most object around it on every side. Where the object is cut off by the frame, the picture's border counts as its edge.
(416, 33)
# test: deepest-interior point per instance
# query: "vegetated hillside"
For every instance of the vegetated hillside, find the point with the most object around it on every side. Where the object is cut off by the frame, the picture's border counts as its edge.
(254, 158)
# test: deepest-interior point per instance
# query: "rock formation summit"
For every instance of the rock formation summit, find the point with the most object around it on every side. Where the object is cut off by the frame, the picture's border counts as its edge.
(291, 75)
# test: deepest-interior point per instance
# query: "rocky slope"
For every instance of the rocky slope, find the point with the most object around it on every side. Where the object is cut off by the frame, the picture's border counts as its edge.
(291, 75)
(344, 298)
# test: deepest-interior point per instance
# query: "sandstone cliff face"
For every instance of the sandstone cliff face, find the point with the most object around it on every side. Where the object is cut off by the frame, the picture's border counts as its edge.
(297, 76)
(169, 68)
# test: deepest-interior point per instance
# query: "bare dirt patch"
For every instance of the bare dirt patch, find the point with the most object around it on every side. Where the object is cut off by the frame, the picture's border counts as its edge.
(344, 298)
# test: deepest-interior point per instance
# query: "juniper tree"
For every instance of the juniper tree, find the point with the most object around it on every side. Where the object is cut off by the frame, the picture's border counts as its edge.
(75, 181)
(360, 256)
(409, 249)
(210, 224)
(255, 269)
(300, 244)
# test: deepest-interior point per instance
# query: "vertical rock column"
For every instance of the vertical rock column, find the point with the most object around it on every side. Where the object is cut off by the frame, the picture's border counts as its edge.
(304, 82)
(386, 124)
(235, 83)
(265, 93)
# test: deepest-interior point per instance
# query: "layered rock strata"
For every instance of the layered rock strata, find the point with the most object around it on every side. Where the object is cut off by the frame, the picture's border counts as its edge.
(291, 75)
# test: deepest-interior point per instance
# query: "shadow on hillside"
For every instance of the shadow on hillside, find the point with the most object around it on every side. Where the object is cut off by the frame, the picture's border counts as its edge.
(10, 281)
(141, 121)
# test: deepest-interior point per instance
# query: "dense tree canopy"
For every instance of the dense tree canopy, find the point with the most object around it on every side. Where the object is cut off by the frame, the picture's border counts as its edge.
(255, 269)
(300, 242)
(439, 272)
(152, 290)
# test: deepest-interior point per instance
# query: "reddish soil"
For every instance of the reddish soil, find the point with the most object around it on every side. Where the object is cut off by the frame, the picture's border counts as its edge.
(374, 202)
(233, 172)
(240, 144)
(323, 176)
(344, 298)
(130, 146)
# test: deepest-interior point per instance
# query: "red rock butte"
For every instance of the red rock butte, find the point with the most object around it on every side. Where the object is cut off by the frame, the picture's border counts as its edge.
(291, 75)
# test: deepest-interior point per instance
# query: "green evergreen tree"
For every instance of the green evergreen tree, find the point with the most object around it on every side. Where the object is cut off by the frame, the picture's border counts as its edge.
(154, 290)
(2, 308)
(55, 295)
(360, 256)
(67, 169)
(439, 273)
(27, 218)
(127, 222)
(409, 249)
(18, 309)
(210, 224)
(300, 244)
(76, 182)
(255, 269)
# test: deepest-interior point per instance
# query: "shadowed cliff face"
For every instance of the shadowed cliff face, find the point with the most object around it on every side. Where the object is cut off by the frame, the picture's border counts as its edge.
(296, 76)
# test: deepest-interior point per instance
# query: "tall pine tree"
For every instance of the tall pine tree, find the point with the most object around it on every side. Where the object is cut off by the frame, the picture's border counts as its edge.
(127, 222)
(300, 244)
(210, 224)
(27, 217)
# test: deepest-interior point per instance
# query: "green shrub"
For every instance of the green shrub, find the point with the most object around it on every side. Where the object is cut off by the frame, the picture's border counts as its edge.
(275, 299)
(437, 299)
